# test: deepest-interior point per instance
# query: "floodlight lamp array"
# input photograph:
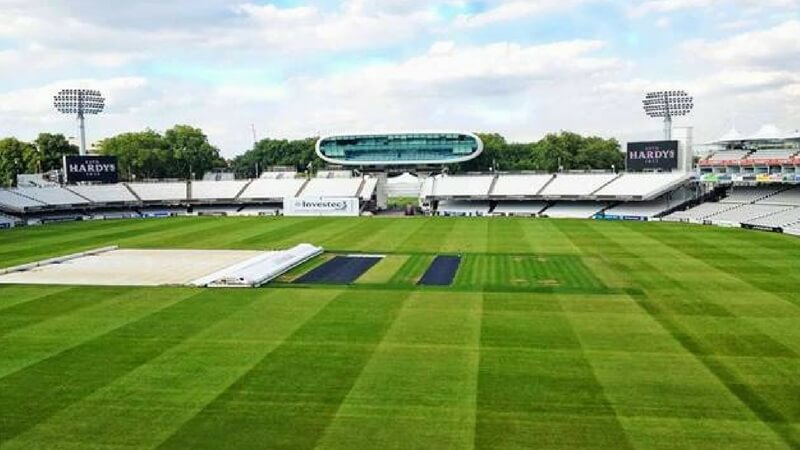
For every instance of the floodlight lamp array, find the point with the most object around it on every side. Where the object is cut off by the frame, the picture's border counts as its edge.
(667, 103)
(79, 101)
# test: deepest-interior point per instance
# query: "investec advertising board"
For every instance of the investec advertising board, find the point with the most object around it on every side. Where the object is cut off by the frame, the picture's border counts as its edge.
(652, 155)
(320, 206)
(99, 169)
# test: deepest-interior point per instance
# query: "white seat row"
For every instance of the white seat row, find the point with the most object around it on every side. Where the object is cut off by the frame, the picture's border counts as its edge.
(749, 194)
(772, 154)
(649, 209)
(574, 210)
(462, 186)
(520, 208)
(790, 197)
(729, 155)
(332, 187)
(746, 213)
(784, 218)
(456, 207)
(14, 201)
(702, 211)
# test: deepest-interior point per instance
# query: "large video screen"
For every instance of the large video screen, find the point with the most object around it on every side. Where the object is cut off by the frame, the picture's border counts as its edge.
(661, 155)
(98, 169)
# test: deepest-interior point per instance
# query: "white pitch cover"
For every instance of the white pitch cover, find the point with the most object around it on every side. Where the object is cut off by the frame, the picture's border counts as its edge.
(260, 269)
(320, 206)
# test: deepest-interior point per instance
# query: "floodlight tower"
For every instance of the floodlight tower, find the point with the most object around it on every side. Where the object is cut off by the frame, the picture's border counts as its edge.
(80, 102)
(667, 104)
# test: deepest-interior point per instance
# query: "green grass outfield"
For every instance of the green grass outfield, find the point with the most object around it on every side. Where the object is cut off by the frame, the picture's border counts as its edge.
(554, 335)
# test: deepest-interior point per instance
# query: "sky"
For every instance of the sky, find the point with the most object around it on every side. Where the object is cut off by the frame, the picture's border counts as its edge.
(291, 69)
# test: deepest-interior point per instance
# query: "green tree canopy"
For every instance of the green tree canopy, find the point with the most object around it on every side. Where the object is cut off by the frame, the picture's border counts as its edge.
(52, 147)
(16, 157)
(276, 152)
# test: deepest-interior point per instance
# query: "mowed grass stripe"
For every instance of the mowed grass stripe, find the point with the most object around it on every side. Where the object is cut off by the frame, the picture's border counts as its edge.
(14, 294)
(26, 346)
(42, 389)
(421, 377)
(52, 305)
(211, 360)
(390, 236)
(272, 230)
(384, 271)
(535, 387)
(289, 397)
(412, 270)
(694, 343)
(430, 237)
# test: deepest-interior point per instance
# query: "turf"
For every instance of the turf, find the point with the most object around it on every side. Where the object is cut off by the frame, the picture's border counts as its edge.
(554, 335)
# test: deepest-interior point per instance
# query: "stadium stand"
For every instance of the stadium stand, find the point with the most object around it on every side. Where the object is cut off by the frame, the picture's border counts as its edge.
(643, 210)
(7, 221)
(577, 185)
(701, 212)
(772, 154)
(463, 208)
(574, 210)
(519, 185)
(750, 194)
(150, 192)
(644, 186)
(278, 175)
(105, 193)
(519, 208)
(788, 197)
(783, 219)
(12, 201)
(54, 196)
(728, 155)
(217, 190)
(272, 188)
(462, 186)
(746, 213)
(332, 187)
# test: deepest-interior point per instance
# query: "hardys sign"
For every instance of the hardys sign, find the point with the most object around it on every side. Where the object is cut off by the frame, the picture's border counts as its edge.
(100, 169)
(320, 206)
(661, 155)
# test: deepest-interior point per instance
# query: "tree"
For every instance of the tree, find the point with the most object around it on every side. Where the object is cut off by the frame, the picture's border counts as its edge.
(52, 147)
(16, 157)
(142, 154)
(191, 151)
(276, 152)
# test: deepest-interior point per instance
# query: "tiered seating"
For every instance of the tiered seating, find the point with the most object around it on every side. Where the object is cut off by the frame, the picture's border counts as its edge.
(7, 221)
(772, 154)
(576, 185)
(159, 191)
(51, 195)
(649, 209)
(463, 186)
(729, 155)
(332, 187)
(274, 189)
(574, 210)
(520, 208)
(642, 185)
(105, 193)
(746, 213)
(782, 219)
(790, 197)
(458, 208)
(216, 190)
(278, 175)
(519, 185)
(10, 200)
(749, 194)
(702, 211)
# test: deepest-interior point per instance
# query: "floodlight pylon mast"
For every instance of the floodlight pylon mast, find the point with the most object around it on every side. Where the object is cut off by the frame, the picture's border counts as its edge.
(80, 102)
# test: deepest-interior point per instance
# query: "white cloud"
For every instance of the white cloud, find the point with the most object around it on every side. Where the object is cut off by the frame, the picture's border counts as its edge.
(513, 10)
(778, 46)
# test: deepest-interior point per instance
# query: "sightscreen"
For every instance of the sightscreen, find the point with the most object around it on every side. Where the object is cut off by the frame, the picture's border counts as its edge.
(662, 155)
(99, 169)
